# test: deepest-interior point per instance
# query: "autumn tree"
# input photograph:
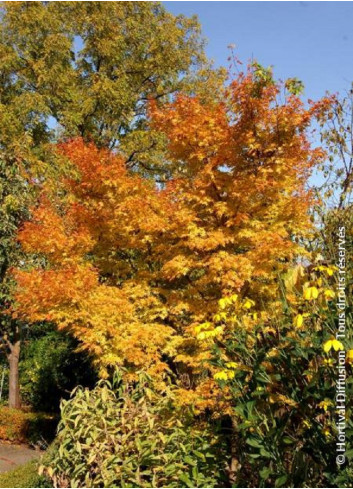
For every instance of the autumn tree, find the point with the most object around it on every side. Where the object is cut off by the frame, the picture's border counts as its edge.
(241, 186)
(134, 269)
(89, 68)
(336, 172)
(337, 138)
(83, 69)
(95, 280)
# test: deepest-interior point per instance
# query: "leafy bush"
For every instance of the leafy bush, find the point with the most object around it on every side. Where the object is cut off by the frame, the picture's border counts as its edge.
(280, 369)
(124, 435)
(26, 427)
(50, 368)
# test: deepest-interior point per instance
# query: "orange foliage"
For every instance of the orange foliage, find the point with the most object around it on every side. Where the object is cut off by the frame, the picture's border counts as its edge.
(94, 241)
(18, 426)
(131, 268)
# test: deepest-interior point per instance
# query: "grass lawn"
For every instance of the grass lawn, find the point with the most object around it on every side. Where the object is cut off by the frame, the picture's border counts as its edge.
(24, 476)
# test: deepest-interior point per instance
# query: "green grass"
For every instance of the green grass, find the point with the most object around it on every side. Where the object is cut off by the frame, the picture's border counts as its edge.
(24, 476)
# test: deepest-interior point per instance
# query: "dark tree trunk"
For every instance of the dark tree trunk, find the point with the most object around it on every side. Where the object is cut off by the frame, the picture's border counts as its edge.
(14, 381)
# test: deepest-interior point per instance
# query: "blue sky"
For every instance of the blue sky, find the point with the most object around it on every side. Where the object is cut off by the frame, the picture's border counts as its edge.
(309, 40)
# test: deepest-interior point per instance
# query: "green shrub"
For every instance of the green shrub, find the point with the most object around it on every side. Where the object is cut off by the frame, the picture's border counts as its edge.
(280, 370)
(26, 427)
(50, 368)
(127, 436)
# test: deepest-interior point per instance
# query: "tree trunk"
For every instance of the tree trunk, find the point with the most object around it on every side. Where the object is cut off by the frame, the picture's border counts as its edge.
(234, 465)
(14, 381)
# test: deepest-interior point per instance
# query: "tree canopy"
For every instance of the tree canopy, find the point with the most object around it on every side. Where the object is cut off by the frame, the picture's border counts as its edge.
(83, 69)
(89, 68)
(132, 268)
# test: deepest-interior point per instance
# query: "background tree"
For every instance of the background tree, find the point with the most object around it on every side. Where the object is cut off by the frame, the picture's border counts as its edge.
(14, 197)
(335, 192)
(89, 69)
(51, 368)
(337, 137)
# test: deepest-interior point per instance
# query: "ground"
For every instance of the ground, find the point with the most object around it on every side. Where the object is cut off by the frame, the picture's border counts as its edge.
(11, 456)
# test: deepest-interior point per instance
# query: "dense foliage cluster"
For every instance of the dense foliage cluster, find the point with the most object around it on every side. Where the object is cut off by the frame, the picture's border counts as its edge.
(159, 232)
(37, 429)
(124, 435)
(157, 260)
(88, 70)
(279, 369)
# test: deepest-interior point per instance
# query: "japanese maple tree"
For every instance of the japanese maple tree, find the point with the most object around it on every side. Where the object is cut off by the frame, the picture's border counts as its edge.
(95, 276)
(241, 184)
(131, 268)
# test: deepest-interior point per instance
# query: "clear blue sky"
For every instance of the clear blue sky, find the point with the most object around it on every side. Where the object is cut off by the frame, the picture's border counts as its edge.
(310, 40)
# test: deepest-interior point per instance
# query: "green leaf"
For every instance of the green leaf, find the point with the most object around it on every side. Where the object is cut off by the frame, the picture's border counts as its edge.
(185, 478)
(253, 442)
(287, 440)
(265, 473)
(199, 455)
(281, 480)
(190, 460)
(349, 454)
(265, 453)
